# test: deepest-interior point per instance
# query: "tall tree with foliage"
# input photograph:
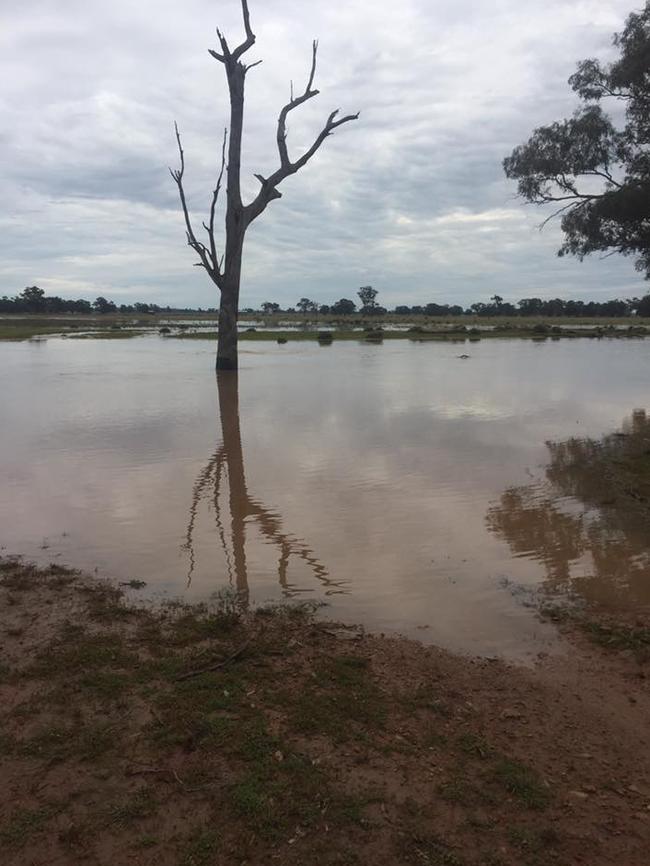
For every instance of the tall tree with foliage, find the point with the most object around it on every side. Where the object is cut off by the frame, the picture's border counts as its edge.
(367, 296)
(225, 269)
(598, 173)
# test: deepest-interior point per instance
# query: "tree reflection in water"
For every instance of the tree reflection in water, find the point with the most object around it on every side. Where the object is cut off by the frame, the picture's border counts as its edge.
(589, 523)
(226, 469)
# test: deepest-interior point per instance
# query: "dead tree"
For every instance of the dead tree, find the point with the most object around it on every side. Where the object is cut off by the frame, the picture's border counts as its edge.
(225, 269)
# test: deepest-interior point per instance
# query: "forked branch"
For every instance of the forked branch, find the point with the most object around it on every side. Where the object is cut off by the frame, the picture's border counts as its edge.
(281, 135)
(213, 205)
(208, 257)
(269, 185)
(227, 56)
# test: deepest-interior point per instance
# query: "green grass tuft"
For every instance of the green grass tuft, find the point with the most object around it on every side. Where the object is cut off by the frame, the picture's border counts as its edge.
(522, 782)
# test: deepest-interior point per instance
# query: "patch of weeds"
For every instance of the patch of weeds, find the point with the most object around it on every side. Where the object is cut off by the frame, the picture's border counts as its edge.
(19, 578)
(475, 745)
(106, 604)
(426, 698)
(75, 650)
(302, 611)
(50, 744)
(433, 739)
(59, 576)
(191, 732)
(350, 671)
(522, 782)
(6, 673)
(23, 824)
(250, 800)
(431, 851)
(534, 840)
(210, 732)
(275, 796)
(412, 807)
(94, 741)
(188, 715)
(147, 842)
(227, 601)
(489, 858)
(200, 850)
(346, 810)
(167, 666)
(7, 744)
(555, 613)
(345, 703)
(480, 822)
(149, 632)
(57, 744)
(194, 627)
(57, 570)
(106, 685)
(9, 564)
(140, 805)
(254, 743)
(456, 791)
(271, 805)
(619, 637)
(74, 836)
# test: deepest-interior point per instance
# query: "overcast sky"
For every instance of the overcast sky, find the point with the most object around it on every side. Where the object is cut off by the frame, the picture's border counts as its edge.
(411, 198)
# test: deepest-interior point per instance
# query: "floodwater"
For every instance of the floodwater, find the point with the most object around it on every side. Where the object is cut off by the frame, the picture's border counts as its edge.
(411, 489)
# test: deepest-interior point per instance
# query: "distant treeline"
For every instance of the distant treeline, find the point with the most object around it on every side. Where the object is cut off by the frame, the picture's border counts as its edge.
(555, 307)
(34, 300)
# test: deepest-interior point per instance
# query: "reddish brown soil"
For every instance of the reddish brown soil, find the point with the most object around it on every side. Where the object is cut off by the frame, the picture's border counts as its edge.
(309, 745)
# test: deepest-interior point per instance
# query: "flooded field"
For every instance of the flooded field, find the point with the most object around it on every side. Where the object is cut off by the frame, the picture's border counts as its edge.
(411, 489)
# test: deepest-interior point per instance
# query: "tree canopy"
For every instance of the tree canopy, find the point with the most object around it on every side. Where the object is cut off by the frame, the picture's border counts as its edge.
(598, 172)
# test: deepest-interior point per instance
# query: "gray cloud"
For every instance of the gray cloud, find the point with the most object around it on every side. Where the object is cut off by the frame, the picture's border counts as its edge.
(411, 198)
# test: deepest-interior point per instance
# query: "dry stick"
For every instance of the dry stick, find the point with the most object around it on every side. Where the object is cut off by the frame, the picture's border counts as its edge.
(213, 667)
(133, 771)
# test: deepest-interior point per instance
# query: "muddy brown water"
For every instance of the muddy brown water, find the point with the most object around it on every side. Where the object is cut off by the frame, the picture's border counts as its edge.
(409, 488)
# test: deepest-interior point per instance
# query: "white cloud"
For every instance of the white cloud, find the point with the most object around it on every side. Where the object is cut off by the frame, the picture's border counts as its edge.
(411, 198)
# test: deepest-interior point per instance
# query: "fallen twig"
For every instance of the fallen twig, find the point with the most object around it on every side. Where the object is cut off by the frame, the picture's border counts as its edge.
(216, 665)
(168, 771)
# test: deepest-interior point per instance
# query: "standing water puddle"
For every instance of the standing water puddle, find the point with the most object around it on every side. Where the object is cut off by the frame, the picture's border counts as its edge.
(412, 490)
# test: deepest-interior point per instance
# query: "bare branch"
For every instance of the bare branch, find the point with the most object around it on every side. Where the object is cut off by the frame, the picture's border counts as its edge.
(312, 72)
(201, 250)
(250, 36)
(268, 192)
(224, 45)
(294, 102)
(606, 175)
(573, 205)
(226, 56)
(329, 127)
(213, 205)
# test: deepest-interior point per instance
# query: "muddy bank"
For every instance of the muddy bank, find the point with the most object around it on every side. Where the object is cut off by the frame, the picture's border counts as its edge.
(189, 736)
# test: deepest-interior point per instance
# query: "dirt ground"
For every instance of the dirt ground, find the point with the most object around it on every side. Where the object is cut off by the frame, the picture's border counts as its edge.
(199, 737)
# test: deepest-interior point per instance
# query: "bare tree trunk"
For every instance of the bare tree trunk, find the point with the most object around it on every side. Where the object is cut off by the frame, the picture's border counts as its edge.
(228, 315)
(227, 357)
(235, 224)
